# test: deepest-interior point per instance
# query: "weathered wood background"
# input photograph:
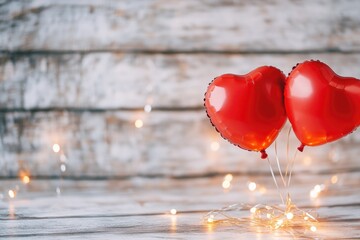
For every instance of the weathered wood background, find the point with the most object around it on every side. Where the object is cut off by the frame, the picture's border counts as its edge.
(79, 73)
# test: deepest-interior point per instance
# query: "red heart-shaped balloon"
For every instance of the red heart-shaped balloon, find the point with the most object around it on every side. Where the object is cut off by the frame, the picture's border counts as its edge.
(321, 105)
(248, 110)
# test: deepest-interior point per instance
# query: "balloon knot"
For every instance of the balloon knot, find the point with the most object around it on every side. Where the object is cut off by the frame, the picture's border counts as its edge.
(263, 154)
(301, 148)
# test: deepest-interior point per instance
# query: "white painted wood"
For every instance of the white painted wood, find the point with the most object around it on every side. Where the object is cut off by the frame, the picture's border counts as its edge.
(109, 80)
(170, 143)
(185, 26)
(139, 208)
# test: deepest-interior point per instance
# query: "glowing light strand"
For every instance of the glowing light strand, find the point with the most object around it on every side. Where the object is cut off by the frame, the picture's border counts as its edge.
(267, 218)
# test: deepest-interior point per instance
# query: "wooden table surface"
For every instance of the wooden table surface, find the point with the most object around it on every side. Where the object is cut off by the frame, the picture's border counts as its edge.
(79, 74)
(138, 208)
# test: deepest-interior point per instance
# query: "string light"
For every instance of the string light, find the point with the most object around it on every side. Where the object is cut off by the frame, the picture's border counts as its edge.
(226, 184)
(56, 148)
(147, 108)
(173, 211)
(11, 193)
(266, 218)
(63, 167)
(252, 186)
(210, 219)
(228, 177)
(253, 210)
(334, 179)
(227, 181)
(314, 193)
(289, 215)
(215, 146)
(139, 123)
(25, 179)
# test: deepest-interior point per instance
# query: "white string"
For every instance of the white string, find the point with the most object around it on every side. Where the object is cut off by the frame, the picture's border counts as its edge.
(287, 152)
(278, 164)
(276, 184)
(291, 168)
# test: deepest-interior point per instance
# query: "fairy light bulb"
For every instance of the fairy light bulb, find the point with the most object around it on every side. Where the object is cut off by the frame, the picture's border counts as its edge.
(279, 223)
(147, 108)
(334, 179)
(25, 179)
(210, 219)
(253, 210)
(317, 188)
(56, 148)
(173, 211)
(252, 186)
(289, 215)
(313, 228)
(11, 193)
(314, 194)
(139, 123)
(228, 177)
(226, 184)
(63, 167)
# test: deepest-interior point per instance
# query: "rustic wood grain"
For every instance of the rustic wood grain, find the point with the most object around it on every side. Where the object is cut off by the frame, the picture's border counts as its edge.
(139, 208)
(171, 143)
(159, 25)
(110, 80)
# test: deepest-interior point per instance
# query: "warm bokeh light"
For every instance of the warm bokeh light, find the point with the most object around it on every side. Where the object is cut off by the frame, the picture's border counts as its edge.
(252, 186)
(313, 228)
(314, 194)
(253, 210)
(228, 177)
(215, 146)
(56, 148)
(139, 123)
(173, 211)
(147, 108)
(226, 184)
(63, 167)
(25, 179)
(11, 193)
(334, 179)
(289, 215)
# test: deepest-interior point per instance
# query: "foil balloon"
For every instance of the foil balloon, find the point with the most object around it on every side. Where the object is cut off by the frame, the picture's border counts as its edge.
(321, 105)
(248, 110)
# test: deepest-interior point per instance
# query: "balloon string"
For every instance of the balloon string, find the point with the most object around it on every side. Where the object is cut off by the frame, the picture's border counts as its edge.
(291, 168)
(276, 184)
(287, 152)
(278, 164)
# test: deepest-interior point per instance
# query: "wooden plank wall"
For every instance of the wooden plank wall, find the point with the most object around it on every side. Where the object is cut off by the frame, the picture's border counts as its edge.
(79, 73)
